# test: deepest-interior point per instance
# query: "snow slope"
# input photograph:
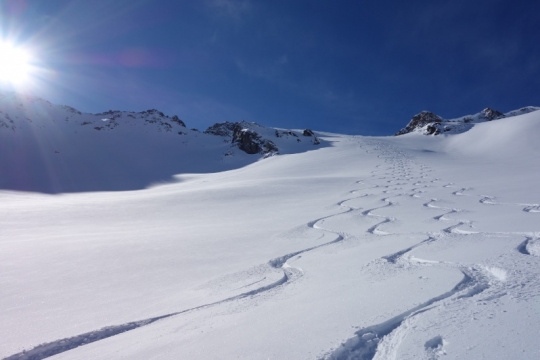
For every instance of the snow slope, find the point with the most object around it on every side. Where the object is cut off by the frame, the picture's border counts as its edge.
(407, 247)
(56, 149)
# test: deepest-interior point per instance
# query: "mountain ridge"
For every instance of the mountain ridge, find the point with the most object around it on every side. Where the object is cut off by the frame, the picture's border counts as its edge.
(52, 148)
(428, 123)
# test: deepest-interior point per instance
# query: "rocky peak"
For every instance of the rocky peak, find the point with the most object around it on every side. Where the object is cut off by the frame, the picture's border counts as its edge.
(425, 117)
(419, 121)
(221, 129)
(490, 114)
(251, 142)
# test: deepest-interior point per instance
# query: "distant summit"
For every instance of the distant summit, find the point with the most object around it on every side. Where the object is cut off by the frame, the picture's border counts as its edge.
(490, 114)
(425, 119)
(428, 123)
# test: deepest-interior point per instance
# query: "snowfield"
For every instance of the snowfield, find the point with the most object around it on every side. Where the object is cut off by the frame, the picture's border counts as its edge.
(409, 247)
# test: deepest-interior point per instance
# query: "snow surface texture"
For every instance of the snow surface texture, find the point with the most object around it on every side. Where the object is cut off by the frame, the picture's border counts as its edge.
(407, 247)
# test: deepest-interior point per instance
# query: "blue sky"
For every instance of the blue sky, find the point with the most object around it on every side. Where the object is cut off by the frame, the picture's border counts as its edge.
(359, 67)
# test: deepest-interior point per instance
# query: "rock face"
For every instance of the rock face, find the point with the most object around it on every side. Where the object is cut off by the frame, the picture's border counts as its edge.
(490, 114)
(177, 120)
(421, 120)
(285, 133)
(253, 138)
(243, 135)
(308, 132)
(428, 123)
(251, 142)
(221, 129)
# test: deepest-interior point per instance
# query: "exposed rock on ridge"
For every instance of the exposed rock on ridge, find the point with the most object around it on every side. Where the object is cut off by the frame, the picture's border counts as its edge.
(419, 121)
(490, 114)
(253, 138)
(52, 148)
(17, 112)
(251, 142)
(428, 123)
(221, 129)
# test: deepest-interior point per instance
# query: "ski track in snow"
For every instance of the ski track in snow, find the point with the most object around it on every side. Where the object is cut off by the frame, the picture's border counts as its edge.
(379, 340)
(290, 273)
(531, 246)
(366, 342)
(491, 200)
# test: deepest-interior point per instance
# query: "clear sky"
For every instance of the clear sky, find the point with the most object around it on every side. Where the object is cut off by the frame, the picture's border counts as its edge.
(358, 67)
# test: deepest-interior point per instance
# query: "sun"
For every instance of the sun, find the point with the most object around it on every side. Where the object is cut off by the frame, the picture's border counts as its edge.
(14, 63)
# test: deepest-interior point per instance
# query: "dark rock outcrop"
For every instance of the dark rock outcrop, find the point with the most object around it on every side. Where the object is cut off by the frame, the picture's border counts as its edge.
(430, 124)
(419, 121)
(255, 139)
(251, 142)
(177, 120)
(242, 135)
(221, 129)
(490, 114)
(433, 129)
(283, 133)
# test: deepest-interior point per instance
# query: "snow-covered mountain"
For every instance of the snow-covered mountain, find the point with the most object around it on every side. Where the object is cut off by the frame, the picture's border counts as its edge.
(429, 123)
(407, 247)
(53, 148)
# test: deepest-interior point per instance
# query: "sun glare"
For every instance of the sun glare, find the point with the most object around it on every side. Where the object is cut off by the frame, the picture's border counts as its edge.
(14, 64)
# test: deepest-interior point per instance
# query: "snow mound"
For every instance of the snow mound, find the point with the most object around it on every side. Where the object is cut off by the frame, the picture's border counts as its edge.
(509, 138)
